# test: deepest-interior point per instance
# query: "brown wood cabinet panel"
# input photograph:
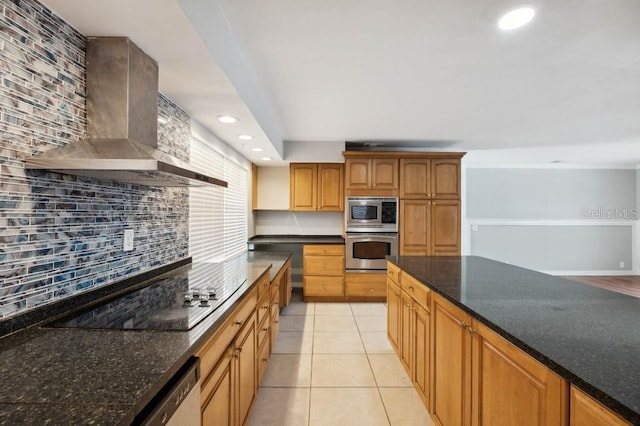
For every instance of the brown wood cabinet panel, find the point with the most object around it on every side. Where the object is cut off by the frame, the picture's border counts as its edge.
(451, 364)
(357, 173)
(406, 338)
(323, 286)
(246, 369)
(373, 284)
(445, 228)
(587, 411)
(393, 273)
(510, 387)
(275, 322)
(217, 395)
(414, 227)
(415, 178)
(421, 324)
(445, 179)
(394, 314)
(328, 249)
(303, 187)
(323, 265)
(418, 291)
(263, 361)
(330, 187)
(285, 284)
(384, 173)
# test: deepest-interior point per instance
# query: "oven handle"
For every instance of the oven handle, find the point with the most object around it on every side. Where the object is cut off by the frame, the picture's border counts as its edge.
(374, 237)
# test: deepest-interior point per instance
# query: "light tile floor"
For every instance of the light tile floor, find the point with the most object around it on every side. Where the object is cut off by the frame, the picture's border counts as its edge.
(333, 365)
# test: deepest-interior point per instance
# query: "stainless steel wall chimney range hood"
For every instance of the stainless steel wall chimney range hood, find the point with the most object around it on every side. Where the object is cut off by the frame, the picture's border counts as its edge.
(122, 126)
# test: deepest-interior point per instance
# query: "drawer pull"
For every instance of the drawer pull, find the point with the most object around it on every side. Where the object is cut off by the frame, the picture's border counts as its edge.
(265, 329)
(371, 290)
(238, 323)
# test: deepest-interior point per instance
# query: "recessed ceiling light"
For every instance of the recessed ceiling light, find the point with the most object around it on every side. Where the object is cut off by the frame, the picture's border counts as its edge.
(228, 119)
(516, 18)
(245, 137)
(256, 149)
(266, 158)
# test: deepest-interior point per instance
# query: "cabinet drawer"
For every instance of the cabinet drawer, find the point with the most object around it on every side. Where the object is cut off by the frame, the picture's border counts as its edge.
(324, 265)
(263, 308)
(212, 350)
(366, 284)
(418, 291)
(329, 249)
(263, 285)
(364, 289)
(393, 272)
(263, 331)
(323, 286)
(263, 360)
(275, 289)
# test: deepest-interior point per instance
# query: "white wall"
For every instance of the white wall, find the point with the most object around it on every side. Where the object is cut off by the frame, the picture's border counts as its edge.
(562, 221)
(313, 152)
(298, 223)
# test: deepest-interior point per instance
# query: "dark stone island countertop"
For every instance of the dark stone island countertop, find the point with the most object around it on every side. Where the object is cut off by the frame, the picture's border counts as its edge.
(83, 376)
(587, 335)
(296, 239)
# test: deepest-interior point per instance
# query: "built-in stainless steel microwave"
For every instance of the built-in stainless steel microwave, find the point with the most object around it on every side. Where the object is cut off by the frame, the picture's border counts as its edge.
(371, 214)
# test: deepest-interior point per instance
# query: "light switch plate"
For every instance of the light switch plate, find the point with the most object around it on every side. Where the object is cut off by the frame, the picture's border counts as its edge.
(128, 240)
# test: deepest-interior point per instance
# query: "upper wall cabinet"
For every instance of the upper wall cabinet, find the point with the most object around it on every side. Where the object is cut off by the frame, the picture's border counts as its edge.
(371, 176)
(316, 187)
(422, 178)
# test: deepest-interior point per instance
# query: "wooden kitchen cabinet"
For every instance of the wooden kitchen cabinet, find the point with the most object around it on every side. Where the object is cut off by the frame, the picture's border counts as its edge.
(369, 285)
(430, 228)
(323, 271)
(229, 389)
(510, 387)
(218, 396)
(422, 178)
(406, 337)
(587, 411)
(394, 314)
(316, 187)
(451, 364)
(478, 378)
(371, 175)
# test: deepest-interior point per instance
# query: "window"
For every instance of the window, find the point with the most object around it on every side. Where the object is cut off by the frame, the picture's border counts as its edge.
(217, 216)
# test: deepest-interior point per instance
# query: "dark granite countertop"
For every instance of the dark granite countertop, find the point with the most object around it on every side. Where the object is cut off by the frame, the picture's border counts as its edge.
(588, 335)
(88, 376)
(296, 239)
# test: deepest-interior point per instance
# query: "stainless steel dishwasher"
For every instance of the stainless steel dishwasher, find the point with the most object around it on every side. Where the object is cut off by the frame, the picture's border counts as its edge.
(178, 403)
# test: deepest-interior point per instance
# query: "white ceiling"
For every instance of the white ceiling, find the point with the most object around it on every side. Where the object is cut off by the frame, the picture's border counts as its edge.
(430, 73)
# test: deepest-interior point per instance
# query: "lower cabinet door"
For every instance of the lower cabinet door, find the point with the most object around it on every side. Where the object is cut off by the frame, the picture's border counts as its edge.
(510, 387)
(587, 411)
(245, 354)
(394, 312)
(406, 338)
(420, 352)
(451, 366)
(217, 393)
(263, 360)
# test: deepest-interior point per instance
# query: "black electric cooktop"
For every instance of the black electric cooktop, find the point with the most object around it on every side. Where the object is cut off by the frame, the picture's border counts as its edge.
(177, 302)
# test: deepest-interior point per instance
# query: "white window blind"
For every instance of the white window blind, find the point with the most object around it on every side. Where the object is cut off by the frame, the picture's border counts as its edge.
(217, 216)
(235, 209)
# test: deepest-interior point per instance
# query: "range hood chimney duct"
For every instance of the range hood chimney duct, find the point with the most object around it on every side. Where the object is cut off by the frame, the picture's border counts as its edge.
(122, 123)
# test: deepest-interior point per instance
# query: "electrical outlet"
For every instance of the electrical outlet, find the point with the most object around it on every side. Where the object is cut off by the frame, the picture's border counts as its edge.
(621, 265)
(474, 227)
(128, 240)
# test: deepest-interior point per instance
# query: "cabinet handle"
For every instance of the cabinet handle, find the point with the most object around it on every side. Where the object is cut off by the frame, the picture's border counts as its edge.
(411, 287)
(238, 323)
(370, 290)
(236, 355)
(471, 330)
(264, 360)
(265, 307)
(265, 329)
(464, 324)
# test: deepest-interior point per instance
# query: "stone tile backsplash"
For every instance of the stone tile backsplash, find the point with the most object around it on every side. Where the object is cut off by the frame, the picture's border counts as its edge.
(61, 234)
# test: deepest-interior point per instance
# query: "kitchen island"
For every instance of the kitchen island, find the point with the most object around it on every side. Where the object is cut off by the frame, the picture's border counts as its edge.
(587, 336)
(107, 377)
